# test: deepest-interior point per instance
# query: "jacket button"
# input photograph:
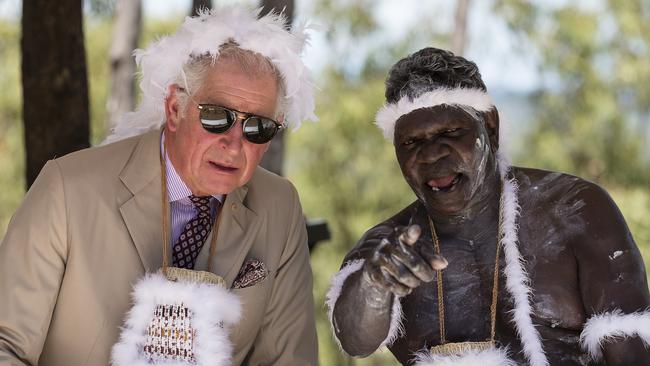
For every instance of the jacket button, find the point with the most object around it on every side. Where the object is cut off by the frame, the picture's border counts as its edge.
(233, 206)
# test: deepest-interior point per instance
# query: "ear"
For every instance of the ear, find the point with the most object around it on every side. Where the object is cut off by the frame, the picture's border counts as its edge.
(172, 108)
(492, 127)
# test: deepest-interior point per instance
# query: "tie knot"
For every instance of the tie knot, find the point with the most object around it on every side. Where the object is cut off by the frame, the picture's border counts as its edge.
(202, 203)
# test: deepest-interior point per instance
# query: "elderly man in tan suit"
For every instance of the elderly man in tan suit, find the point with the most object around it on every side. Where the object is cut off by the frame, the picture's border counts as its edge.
(90, 226)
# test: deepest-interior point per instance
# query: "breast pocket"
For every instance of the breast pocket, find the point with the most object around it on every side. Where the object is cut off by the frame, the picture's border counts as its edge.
(253, 299)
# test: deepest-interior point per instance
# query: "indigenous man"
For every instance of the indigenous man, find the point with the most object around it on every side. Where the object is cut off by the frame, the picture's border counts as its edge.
(541, 268)
(214, 95)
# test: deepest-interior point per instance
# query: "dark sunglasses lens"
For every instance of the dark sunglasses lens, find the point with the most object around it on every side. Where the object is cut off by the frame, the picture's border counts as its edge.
(215, 119)
(259, 130)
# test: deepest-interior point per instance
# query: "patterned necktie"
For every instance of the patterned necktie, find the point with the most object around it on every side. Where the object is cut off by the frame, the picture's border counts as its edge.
(194, 234)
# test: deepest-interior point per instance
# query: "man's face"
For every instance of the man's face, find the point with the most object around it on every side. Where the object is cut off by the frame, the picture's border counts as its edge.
(218, 163)
(444, 153)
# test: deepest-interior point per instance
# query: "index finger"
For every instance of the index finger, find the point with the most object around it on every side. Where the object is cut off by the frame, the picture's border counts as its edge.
(410, 235)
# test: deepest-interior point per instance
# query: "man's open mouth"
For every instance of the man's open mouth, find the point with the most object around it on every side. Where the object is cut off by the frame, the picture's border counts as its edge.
(223, 168)
(445, 183)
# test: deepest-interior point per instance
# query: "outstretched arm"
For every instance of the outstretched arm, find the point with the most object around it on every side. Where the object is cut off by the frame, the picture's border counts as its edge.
(613, 284)
(387, 263)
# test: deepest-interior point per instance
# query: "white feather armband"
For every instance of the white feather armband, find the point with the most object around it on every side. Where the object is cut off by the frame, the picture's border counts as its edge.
(614, 325)
(396, 327)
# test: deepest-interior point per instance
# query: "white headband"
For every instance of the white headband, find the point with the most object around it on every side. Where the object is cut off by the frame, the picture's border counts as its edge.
(390, 113)
(162, 62)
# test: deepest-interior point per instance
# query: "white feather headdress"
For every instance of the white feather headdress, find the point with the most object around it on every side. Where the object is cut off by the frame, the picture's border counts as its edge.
(162, 62)
(388, 115)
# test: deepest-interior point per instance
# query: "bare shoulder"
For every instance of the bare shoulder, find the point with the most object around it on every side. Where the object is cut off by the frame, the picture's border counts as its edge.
(541, 184)
(584, 211)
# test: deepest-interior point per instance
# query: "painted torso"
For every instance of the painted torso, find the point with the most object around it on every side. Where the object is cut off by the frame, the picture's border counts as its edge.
(550, 223)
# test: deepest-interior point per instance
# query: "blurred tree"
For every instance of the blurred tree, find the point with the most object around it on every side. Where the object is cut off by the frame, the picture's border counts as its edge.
(55, 88)
(200, 4)
(594, 107)
(12, 154)
(127, 25)
(101, 8)
(274, 157)
(459, 36)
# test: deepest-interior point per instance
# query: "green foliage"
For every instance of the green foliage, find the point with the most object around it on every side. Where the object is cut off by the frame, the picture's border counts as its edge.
(635, 206)
(98, 39)
(12, 157)
(345, 172)
(589, 113)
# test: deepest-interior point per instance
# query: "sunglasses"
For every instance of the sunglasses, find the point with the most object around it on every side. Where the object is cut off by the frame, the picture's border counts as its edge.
(256, 129)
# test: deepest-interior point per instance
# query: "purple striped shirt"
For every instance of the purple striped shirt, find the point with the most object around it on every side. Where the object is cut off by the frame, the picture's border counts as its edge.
(181, 208)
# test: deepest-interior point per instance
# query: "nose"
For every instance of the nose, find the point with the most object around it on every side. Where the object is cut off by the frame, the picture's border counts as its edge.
(433, 151)
(233, 138)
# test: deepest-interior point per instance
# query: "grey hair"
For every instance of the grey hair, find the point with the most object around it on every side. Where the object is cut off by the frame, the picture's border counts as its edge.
(429, 69)
(193, 74)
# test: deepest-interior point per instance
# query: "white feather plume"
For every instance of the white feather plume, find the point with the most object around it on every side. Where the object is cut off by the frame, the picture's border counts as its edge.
(517, 281)
(162, 62)
(614, 325)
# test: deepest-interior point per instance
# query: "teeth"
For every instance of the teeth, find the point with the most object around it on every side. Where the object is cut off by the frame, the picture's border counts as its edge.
(453, 182)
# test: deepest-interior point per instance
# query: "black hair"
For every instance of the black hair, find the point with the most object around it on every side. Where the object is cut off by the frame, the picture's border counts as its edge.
(429, 69)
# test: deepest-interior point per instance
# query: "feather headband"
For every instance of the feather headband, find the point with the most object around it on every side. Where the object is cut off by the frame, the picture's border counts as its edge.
(162, 62)
(390, 113)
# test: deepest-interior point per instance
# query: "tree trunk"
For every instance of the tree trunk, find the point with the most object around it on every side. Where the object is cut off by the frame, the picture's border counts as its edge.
(274, 157)
(200, 4)
(460, 27)
(126, 32)
(55, 87)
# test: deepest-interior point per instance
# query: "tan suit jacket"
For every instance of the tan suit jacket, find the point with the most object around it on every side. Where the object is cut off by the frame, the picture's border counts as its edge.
(90, 227)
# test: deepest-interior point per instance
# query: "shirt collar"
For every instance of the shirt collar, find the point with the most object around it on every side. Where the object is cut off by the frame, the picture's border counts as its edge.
(177, 190)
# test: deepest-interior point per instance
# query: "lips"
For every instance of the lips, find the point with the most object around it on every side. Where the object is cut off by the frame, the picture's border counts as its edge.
(444, 183)
(223, 167)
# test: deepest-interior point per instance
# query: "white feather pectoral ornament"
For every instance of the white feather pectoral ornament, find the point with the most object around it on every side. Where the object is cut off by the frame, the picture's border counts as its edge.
(179, 319)
(486, 357)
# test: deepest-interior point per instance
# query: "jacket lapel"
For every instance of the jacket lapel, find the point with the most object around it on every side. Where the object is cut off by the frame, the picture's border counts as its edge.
(142, 212)
(237, 232)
